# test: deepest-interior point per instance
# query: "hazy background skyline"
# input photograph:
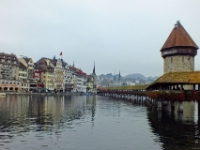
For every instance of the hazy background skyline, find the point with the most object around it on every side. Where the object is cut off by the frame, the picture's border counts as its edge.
(124, 35)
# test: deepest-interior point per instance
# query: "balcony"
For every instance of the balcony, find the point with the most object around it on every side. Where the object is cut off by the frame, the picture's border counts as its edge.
(69, 86)
(5, 68)
(6, 72)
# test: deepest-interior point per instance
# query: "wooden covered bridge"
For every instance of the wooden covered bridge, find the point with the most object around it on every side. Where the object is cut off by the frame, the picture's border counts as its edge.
(170, 86)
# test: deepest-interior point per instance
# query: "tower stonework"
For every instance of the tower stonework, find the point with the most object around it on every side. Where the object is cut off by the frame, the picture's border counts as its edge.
(178, 51)
(178, 63)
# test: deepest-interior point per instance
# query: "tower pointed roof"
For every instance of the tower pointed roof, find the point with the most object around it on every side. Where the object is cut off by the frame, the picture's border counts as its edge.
(179, 37)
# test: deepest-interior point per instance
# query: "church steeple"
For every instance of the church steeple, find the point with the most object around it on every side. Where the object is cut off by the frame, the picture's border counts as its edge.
(119, 78)
(93, 73)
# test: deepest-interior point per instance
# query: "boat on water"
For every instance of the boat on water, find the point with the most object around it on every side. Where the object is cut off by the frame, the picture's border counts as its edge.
(87, 94)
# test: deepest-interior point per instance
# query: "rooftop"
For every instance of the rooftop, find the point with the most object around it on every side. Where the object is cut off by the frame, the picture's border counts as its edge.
(186, 77)
(132, 87)
(179, 37)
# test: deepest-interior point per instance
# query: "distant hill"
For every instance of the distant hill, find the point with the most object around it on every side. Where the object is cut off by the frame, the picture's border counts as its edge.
(109, 76)
(135, 76)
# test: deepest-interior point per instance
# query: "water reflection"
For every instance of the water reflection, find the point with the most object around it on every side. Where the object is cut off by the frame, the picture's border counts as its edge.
(80, 122)
(43, 113)
(176, 130)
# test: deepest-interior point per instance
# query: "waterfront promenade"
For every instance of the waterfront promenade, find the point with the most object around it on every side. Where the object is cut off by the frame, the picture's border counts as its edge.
(48, 93)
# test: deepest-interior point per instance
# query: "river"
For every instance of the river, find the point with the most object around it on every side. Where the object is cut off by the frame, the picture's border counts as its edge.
(93, 123)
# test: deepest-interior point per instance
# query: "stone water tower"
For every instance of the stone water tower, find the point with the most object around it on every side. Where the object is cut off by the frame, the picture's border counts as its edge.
(179, 50)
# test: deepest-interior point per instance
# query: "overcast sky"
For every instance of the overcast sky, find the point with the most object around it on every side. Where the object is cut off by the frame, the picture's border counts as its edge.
(123, 35)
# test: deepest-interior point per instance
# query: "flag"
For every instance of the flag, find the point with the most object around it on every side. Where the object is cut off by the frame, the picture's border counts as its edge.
(60, 53)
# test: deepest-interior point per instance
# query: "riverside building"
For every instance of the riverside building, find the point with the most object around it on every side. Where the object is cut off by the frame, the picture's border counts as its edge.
(28, 62)
(58, 74)
(23, 77)
(37, 78)
(69, 78)
(80, 80)
(9, 68)
(70, 82)
(47, 73)
(92, 82)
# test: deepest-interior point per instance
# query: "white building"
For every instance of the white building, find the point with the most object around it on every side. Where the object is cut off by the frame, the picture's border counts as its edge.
(81, 83)
(70, 78)
(23, 77)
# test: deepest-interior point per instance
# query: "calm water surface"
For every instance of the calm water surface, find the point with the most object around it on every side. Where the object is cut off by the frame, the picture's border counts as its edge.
(92, 123)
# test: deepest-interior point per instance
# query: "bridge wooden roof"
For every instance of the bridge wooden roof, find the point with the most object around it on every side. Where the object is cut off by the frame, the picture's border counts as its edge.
(187, 77)
(179, 37)
(132, 87)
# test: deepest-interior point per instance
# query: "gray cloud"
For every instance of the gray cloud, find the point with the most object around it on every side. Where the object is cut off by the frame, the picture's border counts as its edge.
(118, 35)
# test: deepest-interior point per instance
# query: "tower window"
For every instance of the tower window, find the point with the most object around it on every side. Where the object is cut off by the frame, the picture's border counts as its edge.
(171, 59)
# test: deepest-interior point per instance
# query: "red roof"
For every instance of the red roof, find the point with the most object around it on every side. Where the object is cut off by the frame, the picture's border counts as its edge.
(77, 71)
(80, 72)
(179, 37)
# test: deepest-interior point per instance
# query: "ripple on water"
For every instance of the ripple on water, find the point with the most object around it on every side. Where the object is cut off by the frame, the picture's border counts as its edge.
(65, 122)
(41, 139)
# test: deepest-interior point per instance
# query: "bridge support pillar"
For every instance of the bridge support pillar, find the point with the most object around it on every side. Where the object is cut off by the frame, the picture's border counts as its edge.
(180, 107)
(199, 114)
(172, 106)
(159, 105)
(159, 114)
